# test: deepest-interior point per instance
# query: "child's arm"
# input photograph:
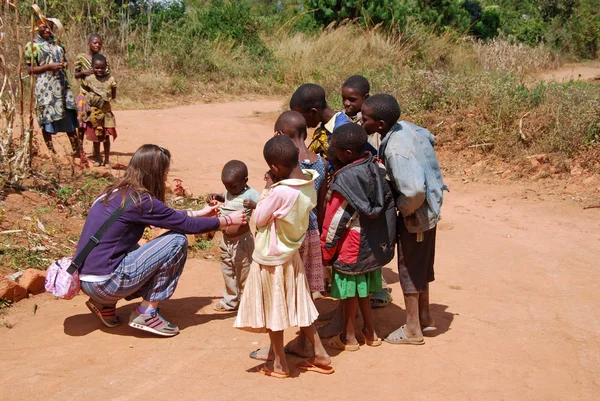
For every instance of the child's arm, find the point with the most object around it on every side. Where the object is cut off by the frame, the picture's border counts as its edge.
(409, 179)
(215, 197)
(337, 215)
(275, 203)
(249, 204)
(114, 88)
(321, 195)
(253, 196)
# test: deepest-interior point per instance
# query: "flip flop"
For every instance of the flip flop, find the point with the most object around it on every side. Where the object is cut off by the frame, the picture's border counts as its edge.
(263, 370)
(311, 367)
(381, 299)
(371, 343)
(337, 343)
(403, 338)
(425, 329)
(288, 351)
(222, 309)
(254, 355)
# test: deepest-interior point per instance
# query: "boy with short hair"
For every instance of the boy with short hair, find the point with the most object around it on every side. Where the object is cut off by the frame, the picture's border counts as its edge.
(359, 233)
(310, 101)
(237, 243)
(354, 92)
(416, 179)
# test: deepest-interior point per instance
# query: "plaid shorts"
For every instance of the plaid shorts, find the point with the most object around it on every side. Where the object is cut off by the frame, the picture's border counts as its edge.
(152, 271)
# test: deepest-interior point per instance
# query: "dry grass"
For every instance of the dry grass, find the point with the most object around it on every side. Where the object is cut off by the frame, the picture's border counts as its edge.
(501, 55)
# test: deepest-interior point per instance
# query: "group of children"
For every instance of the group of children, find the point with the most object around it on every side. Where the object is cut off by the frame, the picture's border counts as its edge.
(97, 89)
(326, 204)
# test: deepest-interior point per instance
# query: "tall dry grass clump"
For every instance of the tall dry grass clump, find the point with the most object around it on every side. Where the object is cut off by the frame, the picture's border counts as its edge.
(502, 55)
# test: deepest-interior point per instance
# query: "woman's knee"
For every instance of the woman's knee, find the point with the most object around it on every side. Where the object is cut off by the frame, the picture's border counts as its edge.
(178, 241)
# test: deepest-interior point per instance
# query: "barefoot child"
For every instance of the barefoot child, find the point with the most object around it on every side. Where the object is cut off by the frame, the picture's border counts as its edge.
(416, 180)
(83, 68)
(100, 122)
(359, 233)
(237, 244)
(277, 295)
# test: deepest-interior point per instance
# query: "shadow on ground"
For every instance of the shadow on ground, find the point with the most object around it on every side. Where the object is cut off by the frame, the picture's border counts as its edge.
(183, 312)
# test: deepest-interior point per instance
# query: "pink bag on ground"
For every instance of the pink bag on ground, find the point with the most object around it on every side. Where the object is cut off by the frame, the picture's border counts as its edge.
(61, 283)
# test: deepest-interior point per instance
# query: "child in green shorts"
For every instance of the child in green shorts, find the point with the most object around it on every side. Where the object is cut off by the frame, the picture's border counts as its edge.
(359, 233)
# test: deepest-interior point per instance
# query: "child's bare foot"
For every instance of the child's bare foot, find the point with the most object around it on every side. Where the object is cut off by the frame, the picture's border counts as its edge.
(320, 360)
(369, 334)
(292, 348)
(349, 340)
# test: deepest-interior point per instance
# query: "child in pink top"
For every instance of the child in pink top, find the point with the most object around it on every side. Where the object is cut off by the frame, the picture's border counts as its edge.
(277, 295)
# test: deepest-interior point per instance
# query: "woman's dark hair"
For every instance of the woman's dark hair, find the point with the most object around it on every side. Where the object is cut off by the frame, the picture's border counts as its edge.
(145, 174)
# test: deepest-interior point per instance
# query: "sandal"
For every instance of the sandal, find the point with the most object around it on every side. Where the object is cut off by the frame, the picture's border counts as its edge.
(381, 299)
(337, 343)
(222, 309)
(311, 367)
(105, 313)
(371, 343)
(402, 338)
(262, 369)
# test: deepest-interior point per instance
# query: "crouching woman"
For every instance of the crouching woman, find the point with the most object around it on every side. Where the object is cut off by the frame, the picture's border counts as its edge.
(117, 267)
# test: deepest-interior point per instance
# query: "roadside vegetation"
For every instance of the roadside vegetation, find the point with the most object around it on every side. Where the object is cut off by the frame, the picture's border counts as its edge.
(465, 69)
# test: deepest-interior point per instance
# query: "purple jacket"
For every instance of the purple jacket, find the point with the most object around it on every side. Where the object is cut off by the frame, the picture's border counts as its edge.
(129, 228)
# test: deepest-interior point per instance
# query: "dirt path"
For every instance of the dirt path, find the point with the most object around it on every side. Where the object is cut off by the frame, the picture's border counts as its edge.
(516, 301)
(589, 71)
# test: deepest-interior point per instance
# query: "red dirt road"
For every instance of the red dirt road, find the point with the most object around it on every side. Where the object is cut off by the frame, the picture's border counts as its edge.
(516, 301)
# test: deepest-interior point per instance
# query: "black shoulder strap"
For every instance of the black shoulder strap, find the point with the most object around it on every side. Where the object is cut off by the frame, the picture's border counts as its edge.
(95, 239)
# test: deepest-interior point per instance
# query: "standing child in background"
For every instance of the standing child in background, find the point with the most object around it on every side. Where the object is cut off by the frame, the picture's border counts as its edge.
(277, 295)
(354, 92)
(237, 243)
(310, 101)
(359, 233)
(100, 122)
(83, 68)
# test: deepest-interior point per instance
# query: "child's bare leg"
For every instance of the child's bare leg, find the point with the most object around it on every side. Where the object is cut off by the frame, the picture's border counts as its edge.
(350, 305)
(425, 319)
(48, 140)
(321, 357)
(335, 326)
(97, 157)
(106, 150)
(279, 361)
(413, 327)
(368, 325)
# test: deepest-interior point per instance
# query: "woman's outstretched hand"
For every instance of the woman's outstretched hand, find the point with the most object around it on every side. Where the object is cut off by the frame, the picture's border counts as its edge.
(210, 210)
(237, 218)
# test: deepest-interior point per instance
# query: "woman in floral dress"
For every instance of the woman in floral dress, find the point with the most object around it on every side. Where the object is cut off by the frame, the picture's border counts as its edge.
(56, 111)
